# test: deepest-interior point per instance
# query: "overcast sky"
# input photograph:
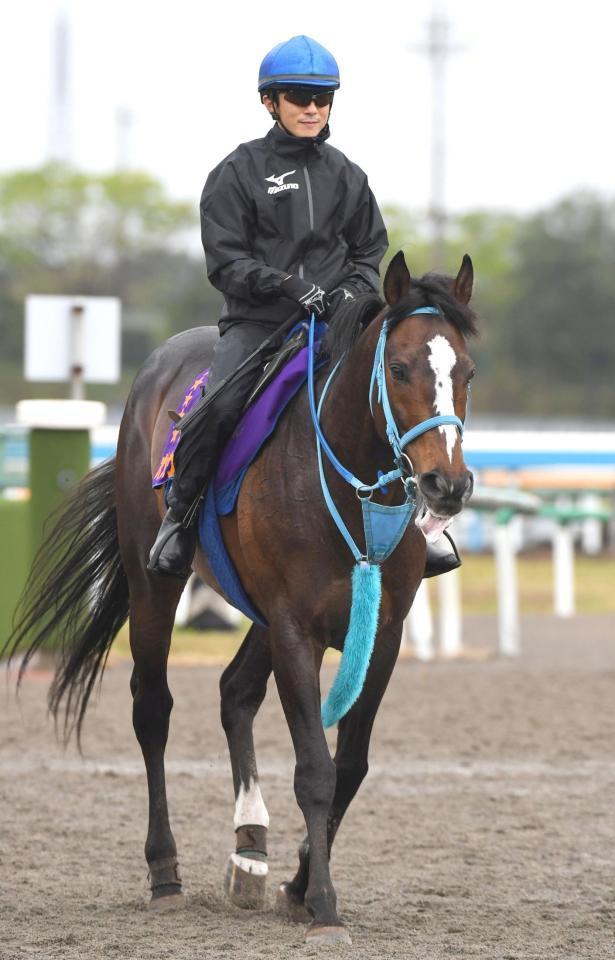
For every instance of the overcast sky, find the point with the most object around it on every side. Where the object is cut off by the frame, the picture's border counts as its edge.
(529, 93)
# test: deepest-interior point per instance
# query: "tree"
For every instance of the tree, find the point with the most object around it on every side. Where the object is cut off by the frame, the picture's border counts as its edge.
(559, 331)
(64, 231)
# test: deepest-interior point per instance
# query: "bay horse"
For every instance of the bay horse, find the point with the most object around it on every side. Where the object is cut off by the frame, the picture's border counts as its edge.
(91, 572)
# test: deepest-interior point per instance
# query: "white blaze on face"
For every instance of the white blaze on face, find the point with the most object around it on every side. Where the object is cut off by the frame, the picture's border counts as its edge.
(442, 359)
(250, 806)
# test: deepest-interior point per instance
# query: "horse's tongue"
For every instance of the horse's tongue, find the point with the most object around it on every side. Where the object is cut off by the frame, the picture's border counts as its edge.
(432, 527)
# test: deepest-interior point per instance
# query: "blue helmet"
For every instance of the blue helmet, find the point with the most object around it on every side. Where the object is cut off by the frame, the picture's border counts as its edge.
(299, 61)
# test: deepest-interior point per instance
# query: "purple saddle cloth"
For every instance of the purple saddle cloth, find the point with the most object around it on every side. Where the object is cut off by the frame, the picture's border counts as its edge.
(256, 425)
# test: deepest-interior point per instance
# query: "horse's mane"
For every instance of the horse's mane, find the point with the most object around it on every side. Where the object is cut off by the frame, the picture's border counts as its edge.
(431, 290)
(348, 324)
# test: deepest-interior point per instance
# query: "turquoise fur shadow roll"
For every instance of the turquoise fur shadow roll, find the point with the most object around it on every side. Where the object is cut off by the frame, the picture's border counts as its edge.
(358, 645)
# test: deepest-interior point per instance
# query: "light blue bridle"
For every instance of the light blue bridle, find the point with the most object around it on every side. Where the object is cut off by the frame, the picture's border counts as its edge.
(384, 526)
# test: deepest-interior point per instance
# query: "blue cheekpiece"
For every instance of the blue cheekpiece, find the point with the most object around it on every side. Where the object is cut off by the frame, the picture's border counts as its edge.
(299, 61)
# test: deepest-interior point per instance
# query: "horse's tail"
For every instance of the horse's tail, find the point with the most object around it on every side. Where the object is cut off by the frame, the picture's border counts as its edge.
(77, 593)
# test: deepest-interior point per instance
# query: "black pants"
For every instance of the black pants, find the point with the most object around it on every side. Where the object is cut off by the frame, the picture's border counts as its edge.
(202, 442)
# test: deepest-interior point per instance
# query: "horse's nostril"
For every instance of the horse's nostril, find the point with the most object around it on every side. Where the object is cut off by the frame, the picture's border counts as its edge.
(435, 485)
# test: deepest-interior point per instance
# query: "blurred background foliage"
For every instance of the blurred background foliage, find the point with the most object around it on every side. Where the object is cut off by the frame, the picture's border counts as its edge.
(545, 282)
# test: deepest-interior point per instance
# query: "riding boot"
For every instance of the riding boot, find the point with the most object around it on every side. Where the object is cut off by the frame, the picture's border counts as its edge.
(442, 556)
(174, 547)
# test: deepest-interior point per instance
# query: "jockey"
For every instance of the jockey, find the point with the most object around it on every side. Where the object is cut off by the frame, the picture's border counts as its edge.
(288, 224)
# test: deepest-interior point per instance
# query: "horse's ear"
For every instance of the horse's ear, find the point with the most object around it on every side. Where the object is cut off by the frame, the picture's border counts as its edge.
(462, 289)
(397, 280)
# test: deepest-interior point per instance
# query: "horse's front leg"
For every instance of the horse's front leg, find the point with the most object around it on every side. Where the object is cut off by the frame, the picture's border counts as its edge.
(353, 737)
(296, 664)
(242, 687)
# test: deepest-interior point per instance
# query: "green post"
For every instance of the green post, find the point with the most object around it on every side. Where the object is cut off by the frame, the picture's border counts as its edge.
(14, 558)
(58, 460)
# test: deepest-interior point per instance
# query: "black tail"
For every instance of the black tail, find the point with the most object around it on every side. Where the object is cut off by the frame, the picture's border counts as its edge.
(77, 593)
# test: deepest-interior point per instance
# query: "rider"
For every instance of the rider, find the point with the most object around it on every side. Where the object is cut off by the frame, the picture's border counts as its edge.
(288, 224)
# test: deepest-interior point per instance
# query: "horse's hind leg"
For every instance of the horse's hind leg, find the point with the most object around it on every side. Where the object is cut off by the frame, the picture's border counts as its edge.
(242, 688)
(153, 600)
(354, 732)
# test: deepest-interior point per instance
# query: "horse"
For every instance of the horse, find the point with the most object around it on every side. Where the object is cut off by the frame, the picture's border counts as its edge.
(91, 573)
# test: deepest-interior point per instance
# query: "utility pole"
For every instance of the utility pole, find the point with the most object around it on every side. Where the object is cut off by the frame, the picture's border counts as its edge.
(60, 146)
(437, 49)
(123, 132)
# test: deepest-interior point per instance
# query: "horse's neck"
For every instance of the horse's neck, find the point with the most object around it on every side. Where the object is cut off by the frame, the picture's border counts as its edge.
(347, 420)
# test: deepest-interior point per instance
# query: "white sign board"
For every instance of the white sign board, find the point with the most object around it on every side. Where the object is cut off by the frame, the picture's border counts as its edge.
(64, 334)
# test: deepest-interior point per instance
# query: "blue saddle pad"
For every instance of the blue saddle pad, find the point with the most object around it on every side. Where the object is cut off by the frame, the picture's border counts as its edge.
(221, 564)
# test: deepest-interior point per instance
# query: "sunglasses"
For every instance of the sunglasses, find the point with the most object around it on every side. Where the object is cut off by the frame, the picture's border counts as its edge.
(301, 98)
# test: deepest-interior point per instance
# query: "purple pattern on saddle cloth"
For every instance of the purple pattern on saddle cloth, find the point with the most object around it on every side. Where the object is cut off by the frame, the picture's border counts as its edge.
(259, 420)
(165, 468)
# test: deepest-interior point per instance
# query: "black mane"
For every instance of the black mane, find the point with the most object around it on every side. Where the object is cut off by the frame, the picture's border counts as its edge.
(349, 323)
(432, 290)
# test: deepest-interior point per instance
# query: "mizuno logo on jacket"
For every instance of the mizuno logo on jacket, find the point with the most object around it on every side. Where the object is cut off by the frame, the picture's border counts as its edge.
(279, 182)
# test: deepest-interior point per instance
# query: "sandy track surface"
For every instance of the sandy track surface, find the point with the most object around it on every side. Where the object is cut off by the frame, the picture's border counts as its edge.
(485, 828)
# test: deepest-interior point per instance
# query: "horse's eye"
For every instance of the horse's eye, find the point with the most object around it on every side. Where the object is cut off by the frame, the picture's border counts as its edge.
(399, 371)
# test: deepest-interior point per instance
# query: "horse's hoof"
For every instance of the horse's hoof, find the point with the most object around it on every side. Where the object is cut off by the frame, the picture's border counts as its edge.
(287, 905)
(245, 883)
(328, 935)
(172, 901)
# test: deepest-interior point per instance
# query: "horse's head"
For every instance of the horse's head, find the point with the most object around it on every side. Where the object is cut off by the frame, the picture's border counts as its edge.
(427, 371)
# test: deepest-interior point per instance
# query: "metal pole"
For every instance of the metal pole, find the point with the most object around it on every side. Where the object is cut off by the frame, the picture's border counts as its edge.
(77, 352)
(563, 570)
(418, 626)
(507, 585)
(449, 585)
(437, 49)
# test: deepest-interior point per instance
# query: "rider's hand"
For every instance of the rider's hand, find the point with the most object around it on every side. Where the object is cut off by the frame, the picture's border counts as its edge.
(310, 296)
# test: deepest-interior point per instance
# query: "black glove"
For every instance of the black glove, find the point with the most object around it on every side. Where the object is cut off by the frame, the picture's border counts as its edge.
(312, 298)
(336, 298)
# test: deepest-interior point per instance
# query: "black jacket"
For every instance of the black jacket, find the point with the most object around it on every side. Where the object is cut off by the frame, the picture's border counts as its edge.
(281, 205)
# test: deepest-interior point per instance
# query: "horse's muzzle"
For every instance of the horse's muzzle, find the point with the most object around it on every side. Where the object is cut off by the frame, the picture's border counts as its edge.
(443, 494)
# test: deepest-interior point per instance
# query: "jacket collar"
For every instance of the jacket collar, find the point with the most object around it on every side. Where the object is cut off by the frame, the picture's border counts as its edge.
(285, 144)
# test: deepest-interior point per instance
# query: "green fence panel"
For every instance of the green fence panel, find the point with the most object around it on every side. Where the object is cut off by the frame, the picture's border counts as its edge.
(14, 558)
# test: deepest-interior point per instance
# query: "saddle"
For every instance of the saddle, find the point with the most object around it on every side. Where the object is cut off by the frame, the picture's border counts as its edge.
(297, 339)
(281, 378)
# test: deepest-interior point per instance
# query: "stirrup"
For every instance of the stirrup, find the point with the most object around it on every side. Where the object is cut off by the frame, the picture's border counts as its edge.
(442, 557)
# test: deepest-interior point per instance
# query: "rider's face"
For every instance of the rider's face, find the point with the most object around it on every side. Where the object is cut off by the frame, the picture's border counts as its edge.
(300, 121)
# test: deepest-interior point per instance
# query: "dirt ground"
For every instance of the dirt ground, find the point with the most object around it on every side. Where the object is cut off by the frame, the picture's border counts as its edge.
(485, 828)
